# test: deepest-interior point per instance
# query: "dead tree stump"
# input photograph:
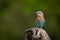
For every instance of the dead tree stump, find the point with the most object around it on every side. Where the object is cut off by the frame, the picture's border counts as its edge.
(36, 33)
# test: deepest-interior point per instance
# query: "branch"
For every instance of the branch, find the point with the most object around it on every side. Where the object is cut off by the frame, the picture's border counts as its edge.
(36, 34)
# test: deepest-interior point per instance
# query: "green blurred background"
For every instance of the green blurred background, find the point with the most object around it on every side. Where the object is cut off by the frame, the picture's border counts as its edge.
(18, 15)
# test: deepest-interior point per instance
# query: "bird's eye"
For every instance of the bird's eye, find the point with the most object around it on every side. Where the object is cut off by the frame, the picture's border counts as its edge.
(39, 13)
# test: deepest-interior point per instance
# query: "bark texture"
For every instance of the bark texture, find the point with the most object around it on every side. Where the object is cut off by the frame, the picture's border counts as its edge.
(36, 33)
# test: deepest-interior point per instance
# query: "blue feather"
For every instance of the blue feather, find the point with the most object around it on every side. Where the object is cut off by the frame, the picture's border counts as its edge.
(40, 24)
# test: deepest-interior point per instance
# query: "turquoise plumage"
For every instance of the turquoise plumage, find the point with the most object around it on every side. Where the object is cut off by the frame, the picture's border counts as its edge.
(40, 24)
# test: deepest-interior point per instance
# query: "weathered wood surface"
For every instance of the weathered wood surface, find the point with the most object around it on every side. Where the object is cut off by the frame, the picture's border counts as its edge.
(36, 34)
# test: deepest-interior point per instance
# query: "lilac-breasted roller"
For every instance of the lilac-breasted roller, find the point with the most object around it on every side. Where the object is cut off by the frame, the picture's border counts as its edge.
(40, 21)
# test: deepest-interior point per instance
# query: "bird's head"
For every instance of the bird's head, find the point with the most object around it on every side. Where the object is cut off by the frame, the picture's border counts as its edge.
(39, 13)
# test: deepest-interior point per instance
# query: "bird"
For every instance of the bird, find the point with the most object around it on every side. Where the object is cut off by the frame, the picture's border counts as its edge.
(40, 20)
